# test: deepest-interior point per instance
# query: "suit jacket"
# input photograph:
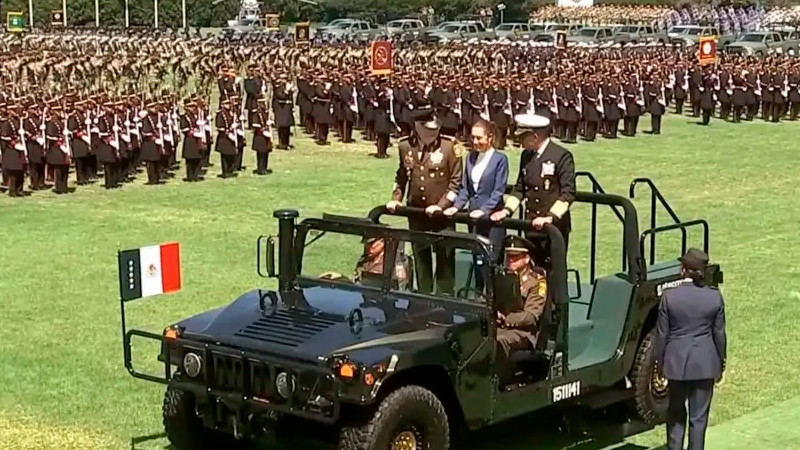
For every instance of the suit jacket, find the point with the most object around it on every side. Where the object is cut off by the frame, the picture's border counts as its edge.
(491, 187)
(690, 333)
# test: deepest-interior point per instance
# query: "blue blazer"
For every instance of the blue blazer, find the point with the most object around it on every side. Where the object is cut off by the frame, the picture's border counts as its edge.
(691, 342)
(491, 188)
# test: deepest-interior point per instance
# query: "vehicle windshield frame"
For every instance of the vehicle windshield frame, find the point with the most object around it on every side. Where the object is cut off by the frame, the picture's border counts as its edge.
(467, 241)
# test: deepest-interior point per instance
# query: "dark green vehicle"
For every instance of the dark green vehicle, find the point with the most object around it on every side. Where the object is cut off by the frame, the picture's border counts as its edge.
(387, 367)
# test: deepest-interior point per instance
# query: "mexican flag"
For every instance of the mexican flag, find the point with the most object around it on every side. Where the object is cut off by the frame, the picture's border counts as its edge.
(148, 271)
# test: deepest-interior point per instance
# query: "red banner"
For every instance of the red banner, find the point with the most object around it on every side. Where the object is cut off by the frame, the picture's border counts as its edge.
(380, 57)
(707, 50)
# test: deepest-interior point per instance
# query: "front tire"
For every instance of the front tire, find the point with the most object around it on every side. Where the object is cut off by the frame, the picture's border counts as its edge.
(184, 428)
(651, 392)
(410, 418)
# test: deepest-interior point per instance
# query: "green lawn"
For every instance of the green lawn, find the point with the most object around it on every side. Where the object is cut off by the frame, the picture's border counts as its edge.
(63, 383)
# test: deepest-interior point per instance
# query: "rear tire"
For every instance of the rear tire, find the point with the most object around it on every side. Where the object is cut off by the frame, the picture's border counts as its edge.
(410, 417)
(184, 428)
(651, 393)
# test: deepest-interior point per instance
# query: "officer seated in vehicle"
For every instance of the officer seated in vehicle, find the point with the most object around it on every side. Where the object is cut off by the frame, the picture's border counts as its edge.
(518, 327)
(369, 268)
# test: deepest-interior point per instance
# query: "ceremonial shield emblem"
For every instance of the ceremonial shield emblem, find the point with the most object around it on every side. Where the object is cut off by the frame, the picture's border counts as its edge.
(56, 18)
(301, 32)
(707, 50)
(273, 22)
(561, 39)
(381, 58)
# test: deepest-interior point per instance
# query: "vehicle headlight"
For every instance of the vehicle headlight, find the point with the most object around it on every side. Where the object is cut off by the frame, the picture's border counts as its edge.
(192, 364)
(285, 385)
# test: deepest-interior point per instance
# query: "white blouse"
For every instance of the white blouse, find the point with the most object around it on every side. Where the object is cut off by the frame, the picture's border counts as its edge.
(481, 162)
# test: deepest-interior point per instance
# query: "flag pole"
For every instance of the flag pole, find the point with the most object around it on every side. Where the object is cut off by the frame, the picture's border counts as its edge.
(127, 18)
(97, 13)
(30, 13)
(64, 12)
(155, 11)
(183, 8)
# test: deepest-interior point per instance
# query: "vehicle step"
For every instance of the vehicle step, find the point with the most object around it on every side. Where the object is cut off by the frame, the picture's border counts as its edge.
(605, 398)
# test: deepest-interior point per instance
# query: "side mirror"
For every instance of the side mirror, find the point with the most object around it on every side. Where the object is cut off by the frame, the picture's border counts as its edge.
(507, 297)
(269, 258)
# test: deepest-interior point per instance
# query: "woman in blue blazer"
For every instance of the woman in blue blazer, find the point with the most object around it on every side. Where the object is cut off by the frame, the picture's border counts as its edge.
(483, 185)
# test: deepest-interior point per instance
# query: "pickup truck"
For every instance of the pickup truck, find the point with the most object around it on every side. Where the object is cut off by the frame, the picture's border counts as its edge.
(358, 29)
(592, 35)
(550, 31)
(403, 27)
(688, 35)
(639, 33)
(514, 31)
(457, 31)
(763, 43)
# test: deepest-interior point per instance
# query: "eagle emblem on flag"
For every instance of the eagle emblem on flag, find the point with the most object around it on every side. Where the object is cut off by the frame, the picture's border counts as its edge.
(152, 270)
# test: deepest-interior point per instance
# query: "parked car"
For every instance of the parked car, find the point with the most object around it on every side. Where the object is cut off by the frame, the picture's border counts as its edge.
(639, 33)
(550, 31)
(514, 31)
(762, 43)
(458, 31)
(359, 29)
(592, 35)
(688, 35)
(405, 26)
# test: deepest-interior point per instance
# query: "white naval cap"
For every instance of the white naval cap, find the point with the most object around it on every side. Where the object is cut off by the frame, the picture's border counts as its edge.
(530, 122)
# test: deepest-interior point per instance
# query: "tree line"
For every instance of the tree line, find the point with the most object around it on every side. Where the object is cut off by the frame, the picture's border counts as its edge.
(215, 13)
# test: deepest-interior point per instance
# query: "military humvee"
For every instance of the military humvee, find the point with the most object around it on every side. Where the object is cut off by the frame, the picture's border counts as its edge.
(397, 368)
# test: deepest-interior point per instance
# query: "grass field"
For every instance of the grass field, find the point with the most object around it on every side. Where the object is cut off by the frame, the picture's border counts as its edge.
(63, 383)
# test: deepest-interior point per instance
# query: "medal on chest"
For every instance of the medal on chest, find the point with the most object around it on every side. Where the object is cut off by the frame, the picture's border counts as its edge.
(548, 168)
(546, 184)
(437, 157)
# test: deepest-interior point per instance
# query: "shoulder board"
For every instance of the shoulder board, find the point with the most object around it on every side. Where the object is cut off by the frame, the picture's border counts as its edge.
(448, 137)
(402, 138)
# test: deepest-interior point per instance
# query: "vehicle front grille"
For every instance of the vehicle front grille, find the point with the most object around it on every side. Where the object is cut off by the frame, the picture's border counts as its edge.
(289, 328)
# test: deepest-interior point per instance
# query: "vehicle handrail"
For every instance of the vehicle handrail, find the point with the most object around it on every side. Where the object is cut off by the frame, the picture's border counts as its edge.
(597, 188)
(655, 195)
(683, 226)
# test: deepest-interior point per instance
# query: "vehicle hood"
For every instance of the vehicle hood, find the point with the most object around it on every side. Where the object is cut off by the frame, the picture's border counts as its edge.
(744, 44)
(314, 322)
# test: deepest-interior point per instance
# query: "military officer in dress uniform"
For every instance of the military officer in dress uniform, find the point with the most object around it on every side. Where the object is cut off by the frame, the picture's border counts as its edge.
(226, 138)
(262, 139)
(283, 110)
(58, 153)
(254, 90)
(80, 135)
(429, 176)
(690, 350)
(14, 151)
(546, 181)
(34, 141)
(193, 140)
(518, 329)
(151, 142)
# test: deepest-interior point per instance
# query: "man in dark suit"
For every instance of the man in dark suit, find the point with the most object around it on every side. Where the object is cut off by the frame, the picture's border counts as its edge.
(690, 350)
(546, 181)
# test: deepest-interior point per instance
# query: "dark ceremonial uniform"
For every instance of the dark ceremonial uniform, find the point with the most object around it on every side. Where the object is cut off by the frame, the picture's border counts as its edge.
(430, 175)
(262, 141)
(193, 144)
(284, 115)
(546, 181)
(35, 140)
(57, 154)
(226, 142)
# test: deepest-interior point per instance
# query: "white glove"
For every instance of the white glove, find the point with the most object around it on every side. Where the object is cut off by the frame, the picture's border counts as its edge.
(433, 209)
(393, 205)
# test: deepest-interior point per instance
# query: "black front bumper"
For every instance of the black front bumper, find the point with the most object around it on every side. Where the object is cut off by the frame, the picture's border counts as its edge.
(246, 381)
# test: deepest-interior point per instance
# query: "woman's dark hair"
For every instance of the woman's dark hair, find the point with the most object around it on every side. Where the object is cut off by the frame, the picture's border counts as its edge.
(487, 126)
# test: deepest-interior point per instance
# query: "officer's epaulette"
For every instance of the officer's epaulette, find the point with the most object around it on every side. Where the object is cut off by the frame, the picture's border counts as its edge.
(402, 138)
(448, 137)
